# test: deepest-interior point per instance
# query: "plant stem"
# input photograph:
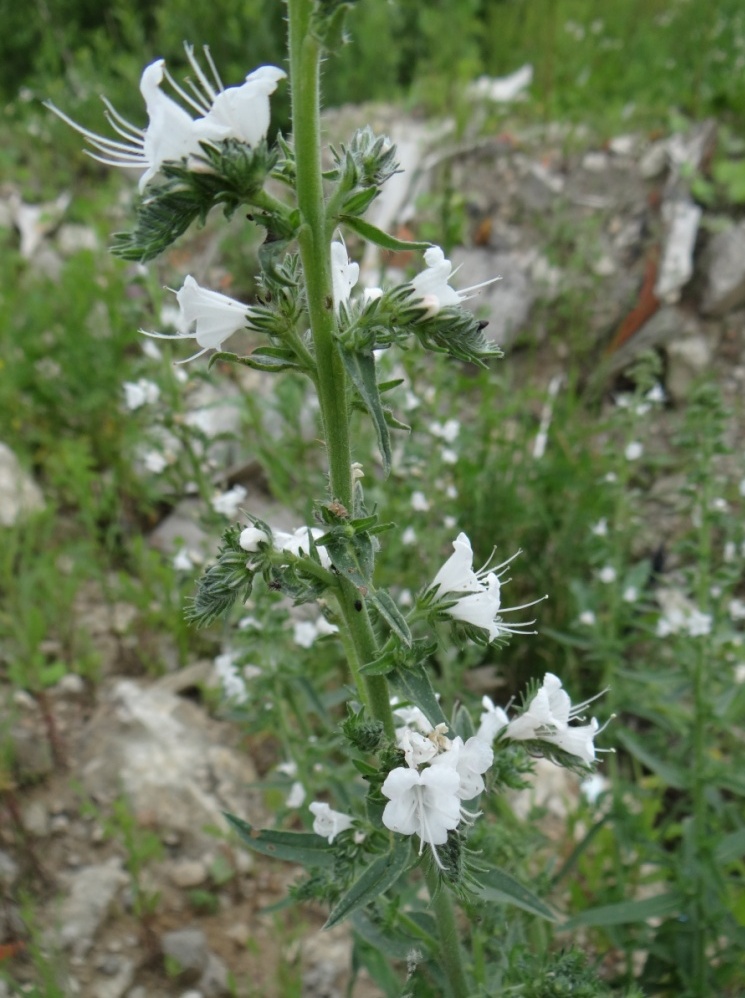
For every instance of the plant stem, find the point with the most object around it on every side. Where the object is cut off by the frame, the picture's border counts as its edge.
(450, 943)
(315, 253)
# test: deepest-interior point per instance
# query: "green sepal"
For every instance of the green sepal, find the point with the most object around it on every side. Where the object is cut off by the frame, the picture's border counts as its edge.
(461, 723)
(360, 367)
(306, 848)
(413, 684)
(376, 880)
(496, 885)
(375, 235)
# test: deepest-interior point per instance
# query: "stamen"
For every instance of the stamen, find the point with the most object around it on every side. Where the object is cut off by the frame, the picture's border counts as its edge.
(201, 108)
(213, 67)
(127, 125)
(200, 74)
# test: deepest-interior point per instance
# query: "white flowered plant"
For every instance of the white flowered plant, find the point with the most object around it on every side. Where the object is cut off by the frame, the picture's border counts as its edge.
(423, 770)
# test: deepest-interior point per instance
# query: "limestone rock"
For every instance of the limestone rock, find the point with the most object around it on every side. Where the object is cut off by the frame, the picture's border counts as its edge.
(724, 272)
(19, 493)
(91, 893)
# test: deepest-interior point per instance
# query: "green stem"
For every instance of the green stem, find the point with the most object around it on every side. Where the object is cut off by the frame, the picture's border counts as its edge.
(450, 952)
(331, 381)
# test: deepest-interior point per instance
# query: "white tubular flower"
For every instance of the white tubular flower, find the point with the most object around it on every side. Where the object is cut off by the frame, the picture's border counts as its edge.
(327, 822)
(206, 316)
(416, 747)
(424, 804)
(244, 111)
(172, 134)
(139, 393)
(412, 716)
(481, 602)
(469, 760)
(492, 721)
(432, 288)
(229, 502)
(547, 719)
(250, 539)
(297, 543)
(344, 274)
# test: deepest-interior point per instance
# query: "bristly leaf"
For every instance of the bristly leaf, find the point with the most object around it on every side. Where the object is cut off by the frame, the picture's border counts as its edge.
(234, 174)
(376, 880)
(414, 685)
(306, 848)
(379, 237)
(361, 369)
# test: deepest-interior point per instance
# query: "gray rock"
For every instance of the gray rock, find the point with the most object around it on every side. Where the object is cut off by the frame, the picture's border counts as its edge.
(506, 303)
(74, 238)
(214, 981)
(35, 818)
(9, 870)
(186, 953)
(723, 268)
(188, 873)
(687, 359)
(182, 529)
(19, 493)
(118, 983)
(676, 269)
(165, 755)
(91, 893)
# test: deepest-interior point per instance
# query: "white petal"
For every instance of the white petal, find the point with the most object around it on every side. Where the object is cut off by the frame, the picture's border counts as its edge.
(457, 574)
(215, 316)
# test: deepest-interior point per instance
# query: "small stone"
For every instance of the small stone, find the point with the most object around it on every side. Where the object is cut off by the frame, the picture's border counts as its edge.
(595, 162)
(188, 873)
(9, 870)
(92, 891)
(239, 933)
(724, 271)
(186, 950)
(59, 824)
(36, 819)
(687, 360)
(71, 685)
(214, 981)
(19, 493)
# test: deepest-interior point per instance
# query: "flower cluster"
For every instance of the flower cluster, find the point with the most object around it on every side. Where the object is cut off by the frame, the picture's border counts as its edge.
(425, 797)
(172, 135)
(472, 597)
(297, 543)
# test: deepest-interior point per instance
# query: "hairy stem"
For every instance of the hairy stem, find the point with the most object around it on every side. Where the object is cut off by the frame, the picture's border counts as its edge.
(450, 954)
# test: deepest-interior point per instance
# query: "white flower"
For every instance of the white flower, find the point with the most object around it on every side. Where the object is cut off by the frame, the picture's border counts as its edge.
(417, 748)
(698, 623)
(172, 135)
(408, 537)
(431, 287)
(411, 716)
(469, 760)
(231, 680)
(139, 393)
(587, 618)
(424, 804)
(447, 431)
(492, 721)
(206, 316)
(297, 543)
(344, 274)
(630, 594)
(634, 451)
(480, 605)
(154, 461)
(593, 787)
(547, 718)
(250, 539)
(296, 796)
(607, 574)
(228, 502)
(182, 561)
(419, 502)
(327, 822)
(305, 632)
(289, 768)
(600, 529)
(736, 609)
(449, 456)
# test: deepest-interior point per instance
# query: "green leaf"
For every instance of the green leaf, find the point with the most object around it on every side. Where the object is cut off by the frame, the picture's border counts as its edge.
(305, 848)
(414, 685)
(496, 885)
(376, 880)
(375, 235)
(672, 775)
(626, 912)
(731, 848)
(388, 609)
(361, 369)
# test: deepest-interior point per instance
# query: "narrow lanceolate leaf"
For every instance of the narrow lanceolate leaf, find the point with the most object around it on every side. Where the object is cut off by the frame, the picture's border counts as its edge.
(380, 238)
(496, 885)
(376, 880)
(305, 848)
(731, 848)
(414, 685)
(626, 912)
(271, 359)
(361, 370)
(388, 609)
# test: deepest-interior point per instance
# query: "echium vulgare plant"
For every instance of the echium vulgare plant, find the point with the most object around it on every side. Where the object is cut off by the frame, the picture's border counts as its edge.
(421, 773)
